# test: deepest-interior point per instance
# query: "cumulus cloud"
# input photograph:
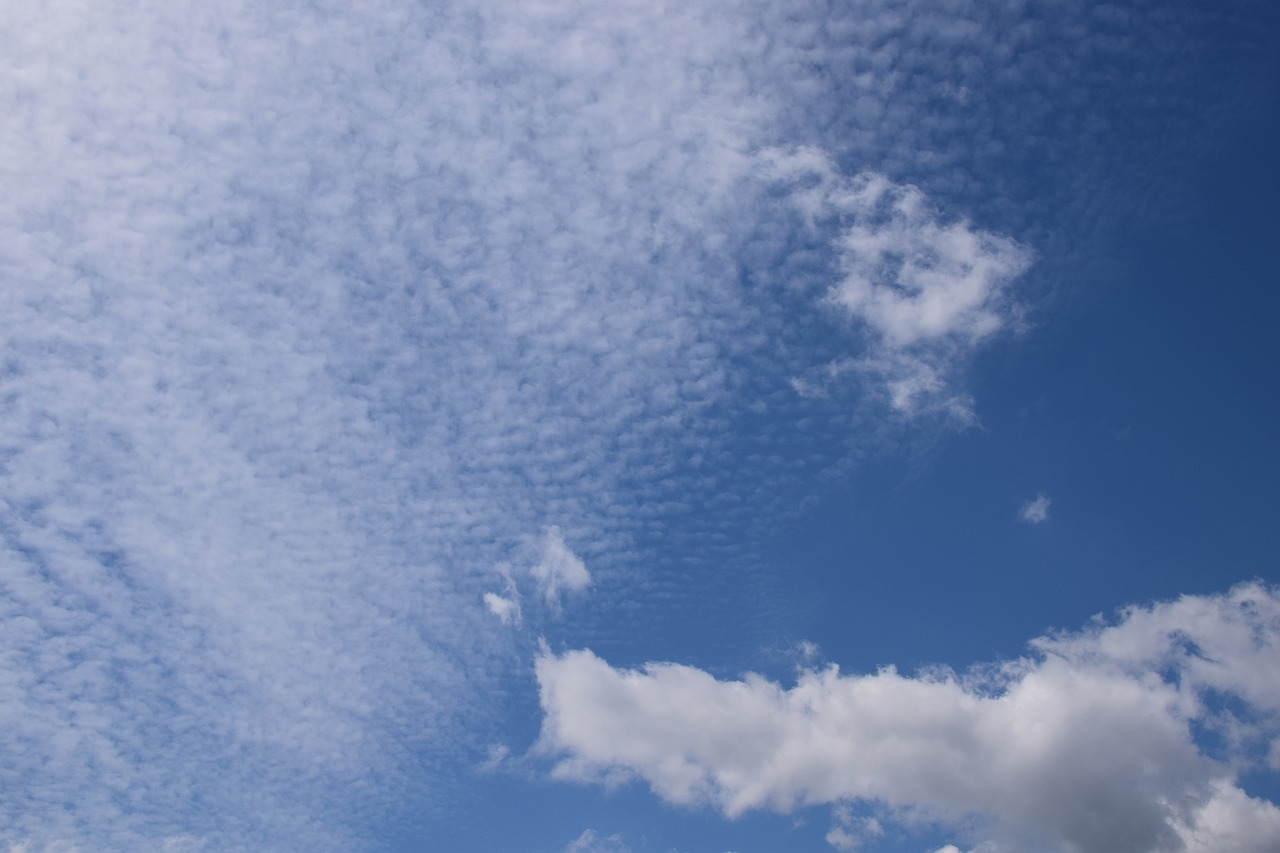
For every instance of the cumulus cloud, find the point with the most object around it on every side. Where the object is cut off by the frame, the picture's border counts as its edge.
(1035, 511)
(1086, 745)
(927, 290)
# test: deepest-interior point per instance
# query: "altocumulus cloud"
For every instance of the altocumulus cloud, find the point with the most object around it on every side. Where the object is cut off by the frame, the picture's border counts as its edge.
(1086, 744)
(311, 313)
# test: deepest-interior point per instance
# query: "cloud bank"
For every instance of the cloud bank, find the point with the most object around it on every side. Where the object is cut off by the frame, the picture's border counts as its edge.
(1122, 737)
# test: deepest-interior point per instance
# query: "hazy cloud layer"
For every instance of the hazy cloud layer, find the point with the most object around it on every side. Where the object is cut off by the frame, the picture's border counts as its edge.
(1086, 745)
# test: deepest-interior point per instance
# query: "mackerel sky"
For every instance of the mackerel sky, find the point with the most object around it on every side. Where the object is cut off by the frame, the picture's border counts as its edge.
(730, 426)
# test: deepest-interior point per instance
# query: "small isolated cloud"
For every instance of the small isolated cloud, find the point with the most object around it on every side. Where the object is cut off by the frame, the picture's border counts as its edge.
(1035, 511)
(504, 608)
(928, 290)
(590, 841)
(1086, 745)
(559, 569)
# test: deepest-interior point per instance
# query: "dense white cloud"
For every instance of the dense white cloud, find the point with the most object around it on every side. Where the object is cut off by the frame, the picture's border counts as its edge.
(1085, 746)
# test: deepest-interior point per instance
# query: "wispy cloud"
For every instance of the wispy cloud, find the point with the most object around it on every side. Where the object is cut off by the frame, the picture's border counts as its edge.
(591, 841)
(559, 570)
(506, 609)
(1035, 511)
(1086, 745)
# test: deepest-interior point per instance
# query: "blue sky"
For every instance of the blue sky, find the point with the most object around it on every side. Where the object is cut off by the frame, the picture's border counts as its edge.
(610, 428)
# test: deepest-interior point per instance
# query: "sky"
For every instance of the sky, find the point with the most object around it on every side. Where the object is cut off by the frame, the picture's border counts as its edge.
(717, 427)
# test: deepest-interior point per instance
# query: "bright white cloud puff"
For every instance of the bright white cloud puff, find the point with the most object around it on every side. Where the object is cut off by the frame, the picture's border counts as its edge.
(929, 290)
(1087, 745)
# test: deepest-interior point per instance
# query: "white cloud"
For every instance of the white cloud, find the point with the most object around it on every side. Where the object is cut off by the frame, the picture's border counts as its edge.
(505, 609)
(1035, 511)
(507, 605)
(591, 841)
(311, 312)
(851, 831)
(1086, 746)
(559, 569)
(928, 291)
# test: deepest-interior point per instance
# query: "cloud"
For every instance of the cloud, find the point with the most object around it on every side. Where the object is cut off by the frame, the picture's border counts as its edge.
(1035, 511)
(309, 316)
(555, 570)
(311, 313)
(851, 831)
(928, 291)
(559, 569)
(1086, 745)
(592, 842)
(506, 609)
(498, 756)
